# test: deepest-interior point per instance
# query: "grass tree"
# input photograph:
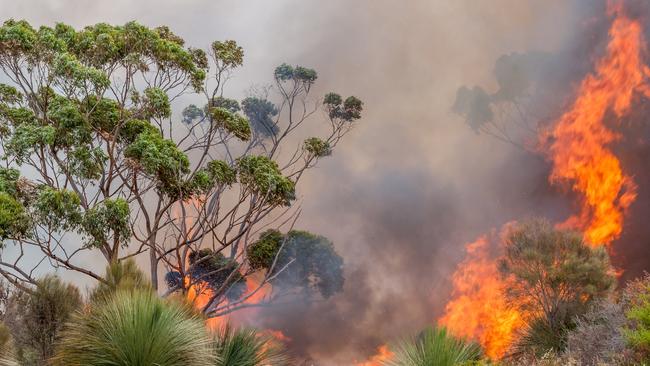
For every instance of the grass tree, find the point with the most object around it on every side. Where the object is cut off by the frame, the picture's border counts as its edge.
(97, 161)
(434, 347)
(248, 347)
(135, 328)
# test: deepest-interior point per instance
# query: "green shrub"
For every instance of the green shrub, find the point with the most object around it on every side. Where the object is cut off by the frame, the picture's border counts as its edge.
(37, 318)
(7, 357)
(637, 302)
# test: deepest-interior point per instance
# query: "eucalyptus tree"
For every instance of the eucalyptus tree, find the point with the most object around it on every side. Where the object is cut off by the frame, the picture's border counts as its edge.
(97, 163)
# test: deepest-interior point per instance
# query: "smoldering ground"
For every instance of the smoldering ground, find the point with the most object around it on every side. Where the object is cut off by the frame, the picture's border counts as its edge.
(412, 184)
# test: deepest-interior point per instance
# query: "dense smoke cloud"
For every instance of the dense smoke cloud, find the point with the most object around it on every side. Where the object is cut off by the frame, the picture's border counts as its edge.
(412, 183)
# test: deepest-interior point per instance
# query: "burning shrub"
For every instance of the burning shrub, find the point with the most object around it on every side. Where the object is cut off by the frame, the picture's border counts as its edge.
(557, 275)
(246, 347)
(135, 328)
(434, 346)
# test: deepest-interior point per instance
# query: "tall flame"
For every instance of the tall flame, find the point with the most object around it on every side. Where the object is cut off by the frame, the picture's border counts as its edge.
(579, 149)
(479, 309)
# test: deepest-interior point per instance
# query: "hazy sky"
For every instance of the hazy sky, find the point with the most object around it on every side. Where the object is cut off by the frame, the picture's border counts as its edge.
(412, 183)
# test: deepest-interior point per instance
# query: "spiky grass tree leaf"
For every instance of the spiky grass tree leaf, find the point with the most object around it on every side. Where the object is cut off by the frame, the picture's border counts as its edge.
(247, 347)
(135, 328)
(434, 347)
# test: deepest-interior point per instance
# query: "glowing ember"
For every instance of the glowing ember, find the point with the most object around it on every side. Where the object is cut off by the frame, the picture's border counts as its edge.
(383, 354)
(579, 141)
(479, 309)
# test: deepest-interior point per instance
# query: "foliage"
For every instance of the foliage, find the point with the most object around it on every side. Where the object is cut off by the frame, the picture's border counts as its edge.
(556, 276)
(108, 221)
(231, 122)
(304, 260)
(348, 110)
(135, 328)
(37, 318)
(317, 147)
(7, 357)
(474, 105)
(219, 272)
(260, 113)
(90, 114)
(247, 347)
(598, 337)
(637, 312)
(120, 276)
(541, 337)
(13, 220)
(263, 176)
(434, 346)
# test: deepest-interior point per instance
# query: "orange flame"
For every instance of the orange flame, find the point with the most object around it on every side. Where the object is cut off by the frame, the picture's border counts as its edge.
(199, 294)
(383, 354)
(579, 149)
(479, 309)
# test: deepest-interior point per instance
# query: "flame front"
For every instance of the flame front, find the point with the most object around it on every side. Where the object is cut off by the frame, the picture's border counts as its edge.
(479, 309)
(577, 145)
(383, 354)
(579, 140)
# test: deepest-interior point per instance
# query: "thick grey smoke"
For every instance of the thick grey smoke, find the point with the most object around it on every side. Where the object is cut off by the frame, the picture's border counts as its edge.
(413, 183)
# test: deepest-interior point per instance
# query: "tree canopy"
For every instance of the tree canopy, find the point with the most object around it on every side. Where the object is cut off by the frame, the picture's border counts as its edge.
(98, 158)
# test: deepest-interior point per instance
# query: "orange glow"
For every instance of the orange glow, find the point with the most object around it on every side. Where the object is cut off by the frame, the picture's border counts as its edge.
(199, 294)
(578, 142)
(479, 309)
(383, 354)
(578, 147)
(278, 335)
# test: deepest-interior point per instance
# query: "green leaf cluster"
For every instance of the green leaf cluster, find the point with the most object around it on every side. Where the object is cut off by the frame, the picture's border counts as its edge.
(299, 74)
(159, 158)
(302, 259)
(317, 147)
(108, 220)
(58, 209)
(228, 53)
(14, 221)
(233, 123)
(260, 113)
(14, 218)
(263, 176)
(348, 110)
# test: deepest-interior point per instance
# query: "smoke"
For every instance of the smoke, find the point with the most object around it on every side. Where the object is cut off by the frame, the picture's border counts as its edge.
(413, 183)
